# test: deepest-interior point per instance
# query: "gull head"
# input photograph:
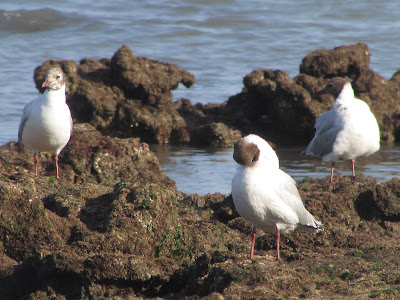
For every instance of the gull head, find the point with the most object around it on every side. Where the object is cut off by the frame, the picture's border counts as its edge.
(334, 87)
(54, 79)
(254, 150)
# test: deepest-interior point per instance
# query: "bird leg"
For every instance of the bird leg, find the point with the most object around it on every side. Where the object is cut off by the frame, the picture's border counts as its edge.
(278, 238)
(332, 167)
(36, 160)
(354, 173)
(253, 241)
(56, 160)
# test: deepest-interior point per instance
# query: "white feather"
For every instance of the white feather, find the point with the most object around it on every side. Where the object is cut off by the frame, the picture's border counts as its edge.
(266, 196)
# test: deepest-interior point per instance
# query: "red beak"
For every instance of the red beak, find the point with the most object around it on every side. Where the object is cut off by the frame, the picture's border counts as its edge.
(46, 83)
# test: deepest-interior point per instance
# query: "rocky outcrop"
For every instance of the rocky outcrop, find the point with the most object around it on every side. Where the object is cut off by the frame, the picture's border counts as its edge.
(353, 62)
(128, 96)
(345, 61)
(115, 226)
(91, 157)
(284, 110)
(207, 124)
(273, 105)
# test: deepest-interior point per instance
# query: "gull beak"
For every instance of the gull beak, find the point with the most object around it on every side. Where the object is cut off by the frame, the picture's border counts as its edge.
(46, 83)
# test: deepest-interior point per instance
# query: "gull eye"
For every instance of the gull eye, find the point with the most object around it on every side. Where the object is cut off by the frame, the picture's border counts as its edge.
(58, 76)
(330, 84)
(256, 155)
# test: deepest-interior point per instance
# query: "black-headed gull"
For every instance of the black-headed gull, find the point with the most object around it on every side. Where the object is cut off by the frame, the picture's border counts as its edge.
(46, 122)
(264, 195)
(347, 131)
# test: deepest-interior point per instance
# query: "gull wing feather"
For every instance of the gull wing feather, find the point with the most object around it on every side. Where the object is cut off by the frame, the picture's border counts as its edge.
(326, 130)
(25, 115)
(71, 122)
(290, 196)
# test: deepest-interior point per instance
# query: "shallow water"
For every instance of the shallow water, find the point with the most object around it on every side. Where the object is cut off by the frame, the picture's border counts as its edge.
(205, 170)
(218, 41)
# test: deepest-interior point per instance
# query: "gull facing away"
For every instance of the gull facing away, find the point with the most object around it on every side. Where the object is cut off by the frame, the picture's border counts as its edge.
(266, 196)
(46, 122)
(347, 131)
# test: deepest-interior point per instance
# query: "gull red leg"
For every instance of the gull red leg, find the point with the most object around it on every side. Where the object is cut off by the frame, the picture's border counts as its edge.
(36, 160)
(278, 239)
(56, 160)
(332, 167)
(352, 167)
(253, 241)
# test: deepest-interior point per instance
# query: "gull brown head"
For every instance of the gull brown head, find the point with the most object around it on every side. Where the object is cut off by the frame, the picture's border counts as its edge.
(245, 153)
(54, 79)
(334, 87)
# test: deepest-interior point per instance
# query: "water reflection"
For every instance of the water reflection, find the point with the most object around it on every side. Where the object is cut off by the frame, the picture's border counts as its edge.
(209, 170)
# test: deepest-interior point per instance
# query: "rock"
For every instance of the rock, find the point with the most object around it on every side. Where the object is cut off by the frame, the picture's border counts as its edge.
(283, 110)
(115, 226)
(144, 239)
(142, 78)
(353, 62)
(83, 240)
(206, 124)
(216, 135)
(91, 95)
(345, 61)
(273, 106)
(126, 96)
(381, 204)
(153, 125)
(90, 157)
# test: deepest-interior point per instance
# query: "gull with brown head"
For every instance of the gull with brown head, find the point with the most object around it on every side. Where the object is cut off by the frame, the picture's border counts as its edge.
(266, 196)
(347, 131)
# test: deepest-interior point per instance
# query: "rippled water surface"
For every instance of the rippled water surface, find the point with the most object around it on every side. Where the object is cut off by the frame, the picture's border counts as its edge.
(208, 170)
(218, 41)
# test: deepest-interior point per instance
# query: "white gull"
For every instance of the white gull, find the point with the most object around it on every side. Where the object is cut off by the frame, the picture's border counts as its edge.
(347, 131)
(264, 195)
(46, 122)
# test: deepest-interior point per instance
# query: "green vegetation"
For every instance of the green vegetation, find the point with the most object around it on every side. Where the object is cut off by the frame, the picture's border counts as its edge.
(5, 178)
(330, 269)
(361, 254)
(149, 229)
(161, 245)
(146, 204)
(153, 194)
(119, 186)
(376, 266)
(15, 227)
(179, 247)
